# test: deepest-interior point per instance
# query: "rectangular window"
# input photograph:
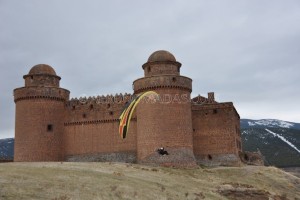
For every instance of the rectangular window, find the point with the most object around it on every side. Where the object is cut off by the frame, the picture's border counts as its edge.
(49, 127)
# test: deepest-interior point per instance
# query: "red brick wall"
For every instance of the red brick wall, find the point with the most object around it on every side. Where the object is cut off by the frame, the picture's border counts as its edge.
(102, 137)
(215, 129)
(91, 126)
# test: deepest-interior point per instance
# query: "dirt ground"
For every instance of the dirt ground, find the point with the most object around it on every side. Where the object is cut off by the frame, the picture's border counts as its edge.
(293, 170)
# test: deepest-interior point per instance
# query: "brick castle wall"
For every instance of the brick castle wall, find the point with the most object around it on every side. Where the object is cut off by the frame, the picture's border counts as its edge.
(91, 128)
(98, 139)
(216, 134)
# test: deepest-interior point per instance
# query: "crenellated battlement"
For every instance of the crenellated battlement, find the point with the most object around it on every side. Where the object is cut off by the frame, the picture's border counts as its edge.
(100, 101)
(213, 108)
(163, 81)
(51, 93)
(96, 108)
(200, 100)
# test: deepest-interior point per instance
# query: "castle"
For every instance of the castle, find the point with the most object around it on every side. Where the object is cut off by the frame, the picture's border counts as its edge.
(51, 127)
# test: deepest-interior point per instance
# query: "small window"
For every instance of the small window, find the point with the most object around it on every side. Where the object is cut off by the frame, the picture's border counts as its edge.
(108, 105)
(215, 111)
(91, 106)
(174, 79)
(73, 107)
(84, 115)
(111, 112)
(31, 77)
(149, 69)
(49, 127)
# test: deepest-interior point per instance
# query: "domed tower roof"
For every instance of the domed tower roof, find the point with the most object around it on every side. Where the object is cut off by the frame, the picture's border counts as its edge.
(161, 55)
(161, 62)
(42, 69)
(42, 75)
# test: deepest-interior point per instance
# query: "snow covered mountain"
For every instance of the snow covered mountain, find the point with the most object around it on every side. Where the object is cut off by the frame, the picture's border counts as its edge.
(268, 123)
(7, 149)
(277, 140)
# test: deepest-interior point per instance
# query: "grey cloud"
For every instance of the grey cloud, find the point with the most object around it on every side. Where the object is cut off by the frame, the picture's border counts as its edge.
(245, 51)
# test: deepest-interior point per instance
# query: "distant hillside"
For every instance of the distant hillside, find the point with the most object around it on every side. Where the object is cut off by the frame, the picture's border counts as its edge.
(7, 149)
(277, 140)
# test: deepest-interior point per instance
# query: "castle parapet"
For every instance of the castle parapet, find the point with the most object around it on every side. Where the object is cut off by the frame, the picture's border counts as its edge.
(101, 99)
(96, 109)
(163, 81)
(51, 93)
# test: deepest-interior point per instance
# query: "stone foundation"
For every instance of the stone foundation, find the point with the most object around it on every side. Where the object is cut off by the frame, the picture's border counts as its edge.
(127, 157)
(218, 160)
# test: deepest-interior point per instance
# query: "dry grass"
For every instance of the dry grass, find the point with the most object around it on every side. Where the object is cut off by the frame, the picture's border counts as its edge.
(64, 181)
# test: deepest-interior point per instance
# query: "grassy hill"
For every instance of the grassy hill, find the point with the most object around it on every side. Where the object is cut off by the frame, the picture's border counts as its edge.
(62, 181)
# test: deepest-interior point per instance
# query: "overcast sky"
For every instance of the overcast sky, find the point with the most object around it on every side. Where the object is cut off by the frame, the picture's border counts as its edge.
(247, 52)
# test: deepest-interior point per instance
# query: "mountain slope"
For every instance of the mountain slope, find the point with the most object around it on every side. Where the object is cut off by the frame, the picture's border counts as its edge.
(278, 141)
(7, 149)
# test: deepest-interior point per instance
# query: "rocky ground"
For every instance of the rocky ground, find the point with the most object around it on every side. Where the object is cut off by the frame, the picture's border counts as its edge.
(66, 180)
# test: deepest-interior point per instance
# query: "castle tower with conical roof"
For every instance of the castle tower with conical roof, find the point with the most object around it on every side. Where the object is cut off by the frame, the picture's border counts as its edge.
(39, 116)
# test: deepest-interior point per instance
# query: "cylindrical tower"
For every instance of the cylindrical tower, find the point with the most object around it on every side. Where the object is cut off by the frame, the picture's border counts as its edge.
(39, 121)
(167, 122)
